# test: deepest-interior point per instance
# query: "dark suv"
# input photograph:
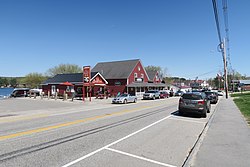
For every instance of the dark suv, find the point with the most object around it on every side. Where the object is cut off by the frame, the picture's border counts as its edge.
(212, 96)
(194, 102)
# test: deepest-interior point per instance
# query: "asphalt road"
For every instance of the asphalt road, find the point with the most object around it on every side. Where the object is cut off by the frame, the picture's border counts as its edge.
(49, 133)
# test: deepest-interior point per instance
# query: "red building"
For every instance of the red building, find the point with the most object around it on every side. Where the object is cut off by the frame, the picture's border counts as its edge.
(112, 77)
(64, 83)
(126, 76)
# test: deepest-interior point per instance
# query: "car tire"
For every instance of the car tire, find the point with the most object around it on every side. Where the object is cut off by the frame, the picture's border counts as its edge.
(204, 114)
(208, 110)
(125, 101)
(135, 100)
(153, 97)
(181, 113)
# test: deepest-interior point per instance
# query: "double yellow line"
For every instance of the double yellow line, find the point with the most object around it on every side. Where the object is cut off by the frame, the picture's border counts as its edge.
(29, 132)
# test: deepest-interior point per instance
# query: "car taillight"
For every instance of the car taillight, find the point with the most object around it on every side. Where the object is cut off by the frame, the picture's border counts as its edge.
(180, 101)
(201, 102)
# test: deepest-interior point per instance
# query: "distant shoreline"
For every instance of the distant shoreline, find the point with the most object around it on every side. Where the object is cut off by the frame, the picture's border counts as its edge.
(5, 92)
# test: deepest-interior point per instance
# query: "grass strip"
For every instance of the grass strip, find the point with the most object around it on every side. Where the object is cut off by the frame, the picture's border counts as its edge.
(242, 100)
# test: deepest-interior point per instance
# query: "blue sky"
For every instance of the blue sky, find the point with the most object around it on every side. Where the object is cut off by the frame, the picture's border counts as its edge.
(178, 35)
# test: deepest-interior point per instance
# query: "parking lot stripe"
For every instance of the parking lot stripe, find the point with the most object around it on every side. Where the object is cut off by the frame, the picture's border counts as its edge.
(115, 142)
(141, 158)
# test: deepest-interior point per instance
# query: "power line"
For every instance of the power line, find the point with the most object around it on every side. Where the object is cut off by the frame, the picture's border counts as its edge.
(217, 20)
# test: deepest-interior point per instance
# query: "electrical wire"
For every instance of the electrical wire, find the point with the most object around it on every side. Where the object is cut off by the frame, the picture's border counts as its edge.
(217, 20)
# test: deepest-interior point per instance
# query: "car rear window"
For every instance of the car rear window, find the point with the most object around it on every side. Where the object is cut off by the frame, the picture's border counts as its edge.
(209, 93)
(191, 96)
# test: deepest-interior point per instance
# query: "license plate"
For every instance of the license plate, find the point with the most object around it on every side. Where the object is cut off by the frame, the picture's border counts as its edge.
(190, 104)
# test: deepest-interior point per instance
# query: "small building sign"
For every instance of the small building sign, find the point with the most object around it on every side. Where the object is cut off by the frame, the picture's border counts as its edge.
(117, 83)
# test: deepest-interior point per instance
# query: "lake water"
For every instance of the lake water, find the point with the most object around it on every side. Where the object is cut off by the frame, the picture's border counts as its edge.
(5, 92)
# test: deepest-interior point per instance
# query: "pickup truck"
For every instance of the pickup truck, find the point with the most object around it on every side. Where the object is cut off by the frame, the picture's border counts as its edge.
(124, 98)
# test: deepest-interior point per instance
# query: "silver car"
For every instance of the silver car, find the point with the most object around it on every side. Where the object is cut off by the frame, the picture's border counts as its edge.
(124, 98)
(151, 94)
(194, 102)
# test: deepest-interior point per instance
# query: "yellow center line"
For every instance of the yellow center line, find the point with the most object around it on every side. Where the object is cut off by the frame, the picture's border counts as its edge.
(29, 132)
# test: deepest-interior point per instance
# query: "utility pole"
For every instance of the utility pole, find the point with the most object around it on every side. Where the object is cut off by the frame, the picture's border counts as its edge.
(223, 49)
(233, 81)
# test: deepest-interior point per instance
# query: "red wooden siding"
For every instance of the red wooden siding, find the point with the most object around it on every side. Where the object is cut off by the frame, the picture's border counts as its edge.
(140, 71)
(116, 85)
(157, 78)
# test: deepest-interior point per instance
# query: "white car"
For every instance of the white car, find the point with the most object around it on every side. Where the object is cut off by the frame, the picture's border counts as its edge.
(220, 93)
(151, 94)
(125, 98)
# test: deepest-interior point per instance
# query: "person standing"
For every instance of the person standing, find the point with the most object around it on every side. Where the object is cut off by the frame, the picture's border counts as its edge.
(73, 93)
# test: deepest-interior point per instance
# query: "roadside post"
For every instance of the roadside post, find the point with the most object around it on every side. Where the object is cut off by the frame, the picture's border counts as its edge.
(86, 82)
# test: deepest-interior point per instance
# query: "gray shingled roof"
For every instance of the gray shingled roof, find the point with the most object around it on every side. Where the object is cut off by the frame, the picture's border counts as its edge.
(116, 69)
(72, 78)
(151, 74)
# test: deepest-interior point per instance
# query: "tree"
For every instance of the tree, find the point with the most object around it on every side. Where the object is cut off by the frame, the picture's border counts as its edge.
(1, 81)
(33, 80)
(153, 68)
(13, 82)
(64, 69)
(4, 81)
(162, 72)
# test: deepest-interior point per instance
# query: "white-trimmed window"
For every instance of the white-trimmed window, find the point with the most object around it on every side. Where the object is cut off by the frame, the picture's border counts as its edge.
(135, 76)
(142, 77)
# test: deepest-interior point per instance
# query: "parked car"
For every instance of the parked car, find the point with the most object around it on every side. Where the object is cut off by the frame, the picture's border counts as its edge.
(220, 93)
(151, 94)
(178, 93)
(36, 92)
(164, 94)
(125, 98)
(20, 92)
(171, 93)
(194, 102)
(212, 96)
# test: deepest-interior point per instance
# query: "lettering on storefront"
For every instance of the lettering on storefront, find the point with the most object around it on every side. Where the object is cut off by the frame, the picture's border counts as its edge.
(117, 83)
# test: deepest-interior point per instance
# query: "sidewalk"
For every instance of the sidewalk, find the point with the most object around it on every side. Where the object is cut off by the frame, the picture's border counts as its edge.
(227, 141)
